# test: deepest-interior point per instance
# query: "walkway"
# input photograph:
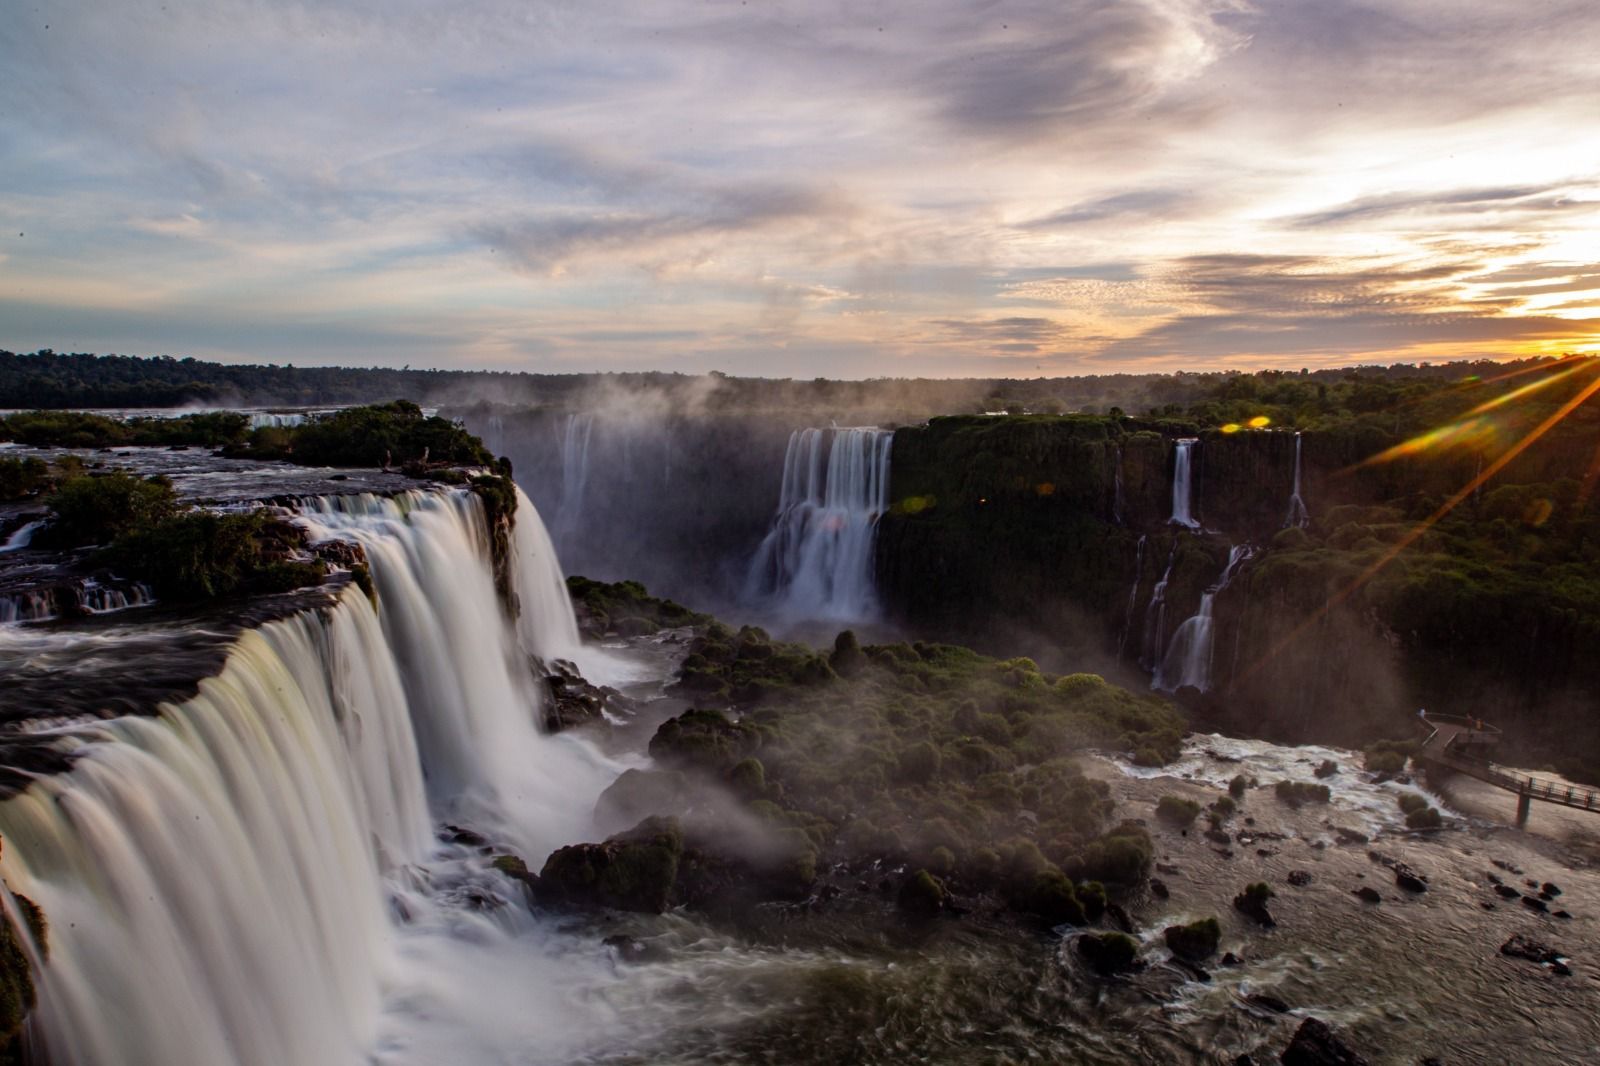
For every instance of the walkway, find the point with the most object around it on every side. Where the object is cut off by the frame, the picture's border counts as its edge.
(1464, 745)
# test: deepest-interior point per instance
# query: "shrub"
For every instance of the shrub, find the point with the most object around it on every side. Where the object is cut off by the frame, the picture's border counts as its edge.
(920, 763)
(1177, 811)
(1196, 941)
(749, 777)
(1109, 953)
(1427, 818)
(1224, 806)
(1298, 793)
(1236, 787)
(1410, 802)
(96, 510)
(1053, 899)
(202, 554)
(21, 478)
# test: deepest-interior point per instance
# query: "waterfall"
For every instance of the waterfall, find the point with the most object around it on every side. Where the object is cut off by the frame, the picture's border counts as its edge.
(816, 562)
(573, 446)
(1298, 515)
(22, 536)
(1187, 663)
(1133, 596)
(546, 624)
(226, 881)
(1183, 483)
(1155, 617)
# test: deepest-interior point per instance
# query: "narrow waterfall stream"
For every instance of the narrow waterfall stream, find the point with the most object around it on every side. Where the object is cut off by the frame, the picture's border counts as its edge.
(1183, 483)
(1298, 515)
(1189, 656)
(816, 562)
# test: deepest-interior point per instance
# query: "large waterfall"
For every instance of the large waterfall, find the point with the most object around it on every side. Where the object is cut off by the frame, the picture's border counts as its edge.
(816, 562)
(1187, 663)
(1183, 483)
(573, 446)
(241, 878)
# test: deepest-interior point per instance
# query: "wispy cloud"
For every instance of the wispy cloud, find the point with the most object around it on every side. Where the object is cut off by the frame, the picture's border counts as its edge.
(801, 188)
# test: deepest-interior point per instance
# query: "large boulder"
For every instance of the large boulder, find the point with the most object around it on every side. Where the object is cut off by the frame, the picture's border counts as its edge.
(632, 871)
(1315, 1044)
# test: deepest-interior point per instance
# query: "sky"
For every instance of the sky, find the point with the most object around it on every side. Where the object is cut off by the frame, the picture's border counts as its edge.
(841, 189)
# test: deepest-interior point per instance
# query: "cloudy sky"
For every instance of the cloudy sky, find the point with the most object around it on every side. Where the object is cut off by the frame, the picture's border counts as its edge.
(835, 188)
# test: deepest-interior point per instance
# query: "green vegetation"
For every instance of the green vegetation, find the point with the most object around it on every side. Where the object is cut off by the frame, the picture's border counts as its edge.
(389, 434)
(625, 607)
(1410, 803)
(76, 429)
(1177, 811)
(1299, 793)
(21, 479)
(632, 871)
(146, 534)
(97, 509)
(957, 765)
(1237, 787)
(17, 992)
(1109, 953)
(1194, 942)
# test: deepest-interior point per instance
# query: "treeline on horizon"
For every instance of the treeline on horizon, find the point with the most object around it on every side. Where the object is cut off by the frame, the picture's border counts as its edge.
(47, 380)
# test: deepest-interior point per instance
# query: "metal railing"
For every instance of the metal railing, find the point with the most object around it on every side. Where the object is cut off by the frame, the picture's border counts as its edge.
(1456, 752)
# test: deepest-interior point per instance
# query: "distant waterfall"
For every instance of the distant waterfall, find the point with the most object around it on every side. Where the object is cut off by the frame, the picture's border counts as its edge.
(1187, 663)
(816, 563)
(1183, 484)
(22, 536)
(573, 445)
(224, 880)
(1155, 617)
(1299, 517)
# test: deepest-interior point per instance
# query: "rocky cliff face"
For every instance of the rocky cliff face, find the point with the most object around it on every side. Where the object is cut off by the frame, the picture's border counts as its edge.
(1053, 535)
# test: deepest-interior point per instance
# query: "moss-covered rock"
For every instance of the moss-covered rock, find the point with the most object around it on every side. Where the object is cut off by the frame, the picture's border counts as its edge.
(632, 871)
(1109, 953)
(1194, 942)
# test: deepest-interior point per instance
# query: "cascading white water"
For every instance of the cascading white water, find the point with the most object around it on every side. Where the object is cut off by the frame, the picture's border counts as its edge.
(1187, 663)
(1183, 483)
(228, 882)
(1155, 617)
(816, 563)
(22, 536)
(546, 624)
(573, 445)
(211, 875)
(1298, 515)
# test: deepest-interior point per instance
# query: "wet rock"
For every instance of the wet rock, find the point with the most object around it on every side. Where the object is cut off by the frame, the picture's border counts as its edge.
(1523, 947)
(1549, 889)
(1368, 893)
(1244, 1060)
(1217, 836)
(1158, 888)
(1230, 959)
(1327, 769)
(1409, 879)
(1265, 853)
(632, 871)
(1560, 914)
(631, 950)
(637, 794)
(1299, 878)
(1531, 883)
(1507, 892)
(1535, 902)
(1315, 1044)
(1267, 1001)
(1486, 905)
(922, 895)
(1350, 836)
(1167, 868)
(1494, 879)
(457, 835)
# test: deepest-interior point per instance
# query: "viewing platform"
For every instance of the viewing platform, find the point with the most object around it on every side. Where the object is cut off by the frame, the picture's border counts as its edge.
(1464, 745)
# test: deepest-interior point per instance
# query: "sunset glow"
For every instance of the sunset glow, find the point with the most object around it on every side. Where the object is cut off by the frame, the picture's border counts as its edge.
(803, 189)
